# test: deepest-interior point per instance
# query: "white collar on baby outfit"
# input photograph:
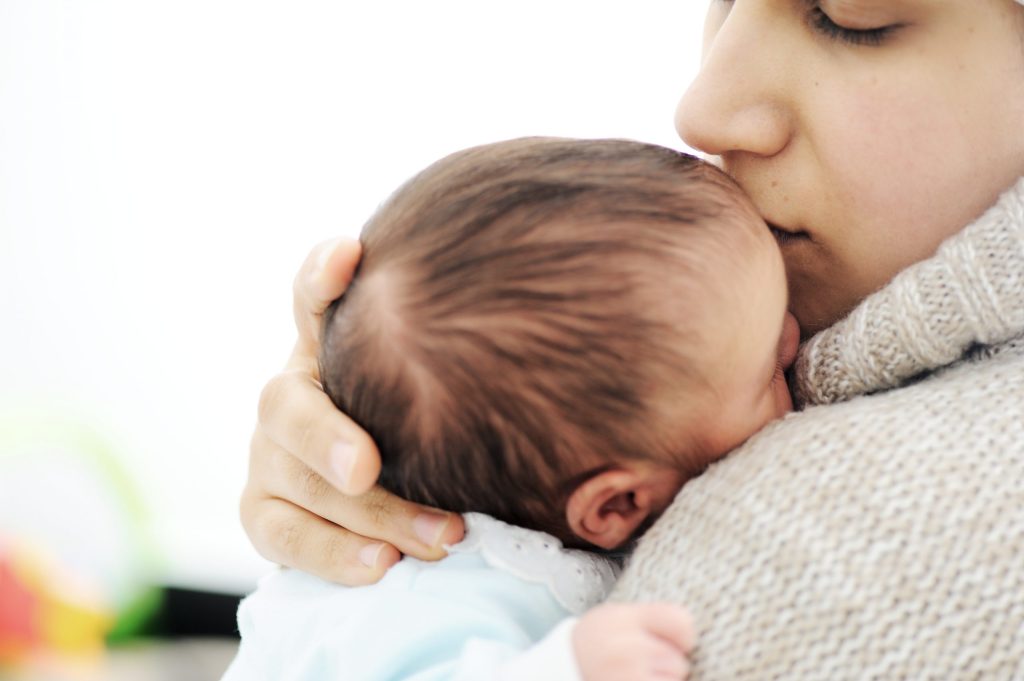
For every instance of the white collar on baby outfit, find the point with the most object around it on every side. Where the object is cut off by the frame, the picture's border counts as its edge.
(577, 579)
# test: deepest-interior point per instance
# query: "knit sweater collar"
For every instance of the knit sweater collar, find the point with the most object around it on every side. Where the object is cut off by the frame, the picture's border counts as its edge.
(969, 294)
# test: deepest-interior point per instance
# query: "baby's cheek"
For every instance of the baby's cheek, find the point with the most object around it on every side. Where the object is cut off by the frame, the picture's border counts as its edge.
(731, 427)
(783, 400)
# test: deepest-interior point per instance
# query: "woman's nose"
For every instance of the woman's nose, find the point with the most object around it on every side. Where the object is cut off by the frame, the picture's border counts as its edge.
(739, 100)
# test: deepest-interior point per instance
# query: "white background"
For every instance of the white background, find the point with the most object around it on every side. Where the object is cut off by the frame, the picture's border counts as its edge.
(165, 167)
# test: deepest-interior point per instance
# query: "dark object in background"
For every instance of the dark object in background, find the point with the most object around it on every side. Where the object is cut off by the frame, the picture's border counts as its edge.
(190, 613)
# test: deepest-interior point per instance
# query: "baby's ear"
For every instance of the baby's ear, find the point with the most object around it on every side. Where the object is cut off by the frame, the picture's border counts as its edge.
(607, 509)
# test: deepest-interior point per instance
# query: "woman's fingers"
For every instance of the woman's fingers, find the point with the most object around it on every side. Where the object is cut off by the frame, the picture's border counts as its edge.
(324, 276)
(286, 534)
(300, 419)
(310, 501)
(413, 529)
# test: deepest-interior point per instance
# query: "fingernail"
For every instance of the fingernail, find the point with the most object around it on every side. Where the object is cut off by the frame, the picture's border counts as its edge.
(369, 554)
(429, 527)
(342, 458)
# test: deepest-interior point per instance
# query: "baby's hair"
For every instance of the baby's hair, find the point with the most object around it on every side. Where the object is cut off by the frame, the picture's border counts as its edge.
(510, 325)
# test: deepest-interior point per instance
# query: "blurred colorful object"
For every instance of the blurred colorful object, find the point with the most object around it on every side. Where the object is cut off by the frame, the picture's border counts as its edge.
(40, 614)
(18, 617)
(75, 558)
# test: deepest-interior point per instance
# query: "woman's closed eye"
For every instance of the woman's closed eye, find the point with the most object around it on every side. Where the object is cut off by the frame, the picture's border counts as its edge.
(825, 25)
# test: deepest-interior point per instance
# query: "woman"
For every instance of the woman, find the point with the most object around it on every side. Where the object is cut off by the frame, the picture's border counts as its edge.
(869, 534)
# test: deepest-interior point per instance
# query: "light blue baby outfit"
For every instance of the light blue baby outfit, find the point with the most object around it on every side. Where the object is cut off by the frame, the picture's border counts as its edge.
(500, 606)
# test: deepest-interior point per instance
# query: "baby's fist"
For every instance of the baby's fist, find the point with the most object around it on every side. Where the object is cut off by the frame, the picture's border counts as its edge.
(634, 642)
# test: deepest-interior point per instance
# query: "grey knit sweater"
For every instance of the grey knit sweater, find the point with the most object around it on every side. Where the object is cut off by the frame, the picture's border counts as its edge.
(878, 533)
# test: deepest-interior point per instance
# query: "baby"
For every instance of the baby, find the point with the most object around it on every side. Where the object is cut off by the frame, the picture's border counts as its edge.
(550, 336)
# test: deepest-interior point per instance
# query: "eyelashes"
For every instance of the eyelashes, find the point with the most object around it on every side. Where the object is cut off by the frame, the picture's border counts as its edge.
(872, 37)
(824, 25)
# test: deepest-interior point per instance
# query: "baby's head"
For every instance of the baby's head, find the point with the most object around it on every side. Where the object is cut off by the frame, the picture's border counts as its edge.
(559, 333)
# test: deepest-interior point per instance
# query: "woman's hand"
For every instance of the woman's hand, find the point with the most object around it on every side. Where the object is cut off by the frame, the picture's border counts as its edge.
(310, 501)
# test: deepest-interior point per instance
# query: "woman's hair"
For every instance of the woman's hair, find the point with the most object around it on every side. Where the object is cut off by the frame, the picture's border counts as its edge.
(1020, 20)
(506, 334)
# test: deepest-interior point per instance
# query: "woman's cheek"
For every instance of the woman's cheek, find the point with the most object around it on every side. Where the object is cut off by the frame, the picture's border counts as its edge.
(891, 160)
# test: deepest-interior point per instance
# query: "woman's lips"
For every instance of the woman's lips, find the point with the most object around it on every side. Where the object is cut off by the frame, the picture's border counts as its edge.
(789, 341)
(785, 237)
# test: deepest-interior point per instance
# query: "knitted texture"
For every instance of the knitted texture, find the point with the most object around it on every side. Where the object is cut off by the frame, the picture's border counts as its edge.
(872, 536)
